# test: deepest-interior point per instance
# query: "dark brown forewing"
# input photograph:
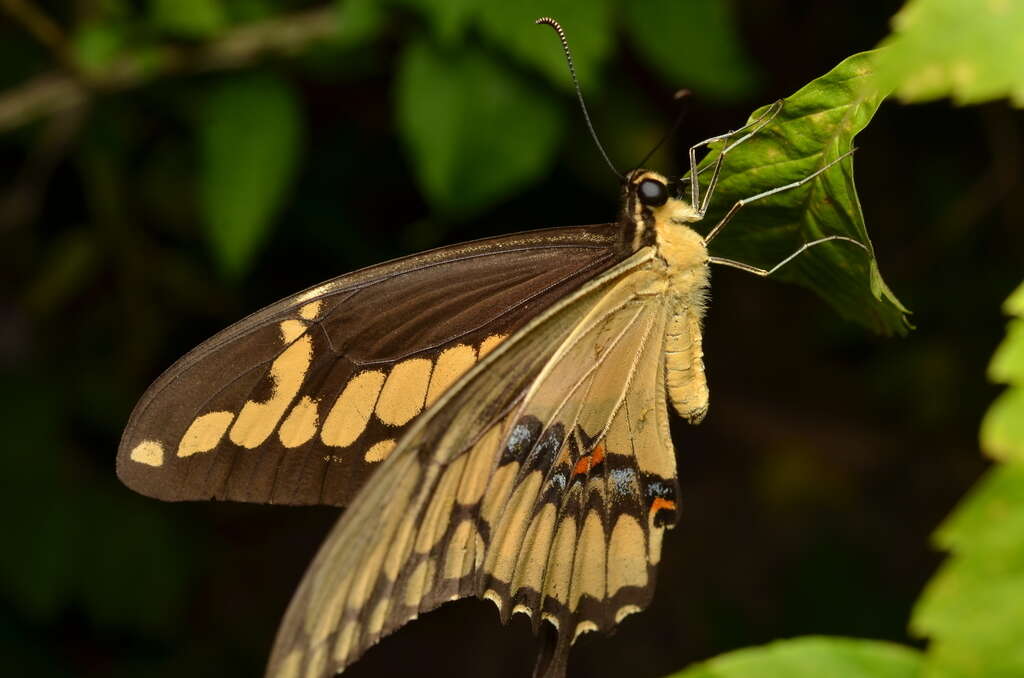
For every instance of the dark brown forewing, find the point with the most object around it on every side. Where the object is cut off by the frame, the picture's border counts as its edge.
(540, 482)
(299, 402)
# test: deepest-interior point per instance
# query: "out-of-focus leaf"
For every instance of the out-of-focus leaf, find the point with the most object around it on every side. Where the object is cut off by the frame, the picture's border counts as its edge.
(243, 11)
(359, 21)
(588, 26)
(449, 19)
(1002, 429)
(965, 49)
(476, 130)
(972, 611)
(1007, 366)
(249, 131)
(693, 44)
(96, 46)
(816, 126)
(187, 18)
(1014, 305)
(812, 657)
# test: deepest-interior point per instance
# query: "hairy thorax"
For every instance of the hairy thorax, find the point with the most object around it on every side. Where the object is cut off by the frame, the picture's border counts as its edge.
(686, 265)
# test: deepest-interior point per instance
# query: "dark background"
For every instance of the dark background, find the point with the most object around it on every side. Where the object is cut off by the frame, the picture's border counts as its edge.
(828, 457)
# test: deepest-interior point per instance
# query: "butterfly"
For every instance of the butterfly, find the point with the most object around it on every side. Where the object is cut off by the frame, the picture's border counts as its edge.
(493, 414)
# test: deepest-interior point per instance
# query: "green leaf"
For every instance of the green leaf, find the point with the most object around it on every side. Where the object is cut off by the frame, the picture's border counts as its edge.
(477, 131)
(973, 609)
(249, 132)
(96, 46)
(693, 44)
(812, 657)
(588, 25)
(449, 19)
(1002, 429)
(187, 18)
(358, 21)
(1014, 305)
(816, 126)
(1007, 366)
(965, 49)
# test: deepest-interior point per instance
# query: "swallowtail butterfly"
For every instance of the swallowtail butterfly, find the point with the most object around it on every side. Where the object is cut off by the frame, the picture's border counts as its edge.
(493, 414)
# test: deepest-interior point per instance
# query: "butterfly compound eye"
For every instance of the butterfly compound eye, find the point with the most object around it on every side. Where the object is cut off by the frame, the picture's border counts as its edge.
(652, 192)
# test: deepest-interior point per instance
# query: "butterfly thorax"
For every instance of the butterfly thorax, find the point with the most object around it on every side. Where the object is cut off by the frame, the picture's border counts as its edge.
(685, 258)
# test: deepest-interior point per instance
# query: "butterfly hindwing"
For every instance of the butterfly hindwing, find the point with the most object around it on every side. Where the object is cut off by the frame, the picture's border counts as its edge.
(298, 403)
(529, 483)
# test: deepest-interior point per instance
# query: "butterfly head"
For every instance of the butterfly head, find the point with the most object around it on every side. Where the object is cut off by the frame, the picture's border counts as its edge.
(664, 220)
(649, 197)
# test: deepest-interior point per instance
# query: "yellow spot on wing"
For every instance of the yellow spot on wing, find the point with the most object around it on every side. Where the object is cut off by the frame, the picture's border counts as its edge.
(376, 622)
(625, 611)
(588, 571)
(317, 662)
(559, 570)
(398, 553)
(344, 643)
(300, 425)
(494, 597)
(419, 580)
(402, 397)
(507, 538)
(627, 555)
(366, 576)
(490, 343)
(204, 433)
(498, 491)
(291, 330)
(654, 535)
(380, 451)
(352, 409)
(534, 554)
(257, 421)
(290, 666)
(478, 468)
(585, 626)
(451, 364)
(311, 310)
(435, 519)
(456, 564)
(148, 452)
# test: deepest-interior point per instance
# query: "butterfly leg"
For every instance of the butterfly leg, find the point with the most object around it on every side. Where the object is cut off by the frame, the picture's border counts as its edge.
(739, 204)
(754, 127)
(765, 272)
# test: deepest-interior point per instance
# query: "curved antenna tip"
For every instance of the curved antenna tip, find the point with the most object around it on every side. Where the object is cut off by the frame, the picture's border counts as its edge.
(579, 93)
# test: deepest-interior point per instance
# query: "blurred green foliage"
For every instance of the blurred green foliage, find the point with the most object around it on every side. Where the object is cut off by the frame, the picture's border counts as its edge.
(964, 49)
(249, 134)
(973, 609)
(462, 165)
(168, 166)
(811, 657)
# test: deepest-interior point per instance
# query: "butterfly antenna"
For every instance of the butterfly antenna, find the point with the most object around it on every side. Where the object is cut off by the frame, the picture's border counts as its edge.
(579, 93)
(683, 97)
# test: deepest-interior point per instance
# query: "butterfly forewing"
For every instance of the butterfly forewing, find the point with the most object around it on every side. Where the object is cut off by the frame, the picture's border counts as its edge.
(298, 403)
(539, 481)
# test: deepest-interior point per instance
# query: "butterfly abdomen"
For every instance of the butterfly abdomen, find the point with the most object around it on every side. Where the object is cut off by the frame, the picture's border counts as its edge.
(686, 257)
